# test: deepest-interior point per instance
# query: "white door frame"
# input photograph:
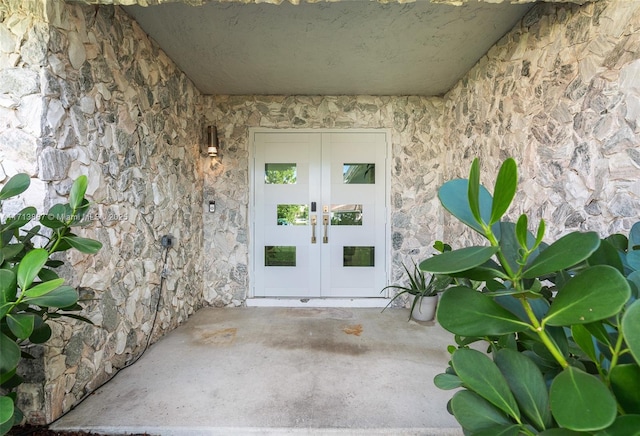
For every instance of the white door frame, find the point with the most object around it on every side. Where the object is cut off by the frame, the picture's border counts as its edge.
(316, 302)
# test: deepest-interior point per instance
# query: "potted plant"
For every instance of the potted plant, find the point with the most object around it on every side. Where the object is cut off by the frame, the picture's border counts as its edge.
(423, 293)
(562, 322)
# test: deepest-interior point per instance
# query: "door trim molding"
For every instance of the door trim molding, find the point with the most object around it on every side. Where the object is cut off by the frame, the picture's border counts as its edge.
(253, 301)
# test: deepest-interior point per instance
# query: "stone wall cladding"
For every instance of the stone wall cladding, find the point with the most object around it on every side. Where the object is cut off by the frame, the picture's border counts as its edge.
(115, 108)
(21, 99)
(417, 145)
(561, 94)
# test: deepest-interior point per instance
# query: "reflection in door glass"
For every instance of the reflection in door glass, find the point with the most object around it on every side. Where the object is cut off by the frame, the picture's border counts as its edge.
(293, 214)
(346, 214)
(358, 256)
(279, 256)
(280, 173)
(355, 173)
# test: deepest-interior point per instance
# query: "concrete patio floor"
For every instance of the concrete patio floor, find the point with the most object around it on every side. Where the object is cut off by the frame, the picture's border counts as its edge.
(280, 371)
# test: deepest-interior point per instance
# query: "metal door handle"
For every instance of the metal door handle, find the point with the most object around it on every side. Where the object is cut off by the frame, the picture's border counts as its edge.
(314, 221)
(325, 223)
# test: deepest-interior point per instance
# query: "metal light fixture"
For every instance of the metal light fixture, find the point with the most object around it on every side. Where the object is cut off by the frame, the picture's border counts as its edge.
(212, 141)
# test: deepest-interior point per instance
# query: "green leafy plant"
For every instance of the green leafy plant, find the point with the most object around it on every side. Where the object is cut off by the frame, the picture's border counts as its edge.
(562, 322)
(31, 292)
(418, 285)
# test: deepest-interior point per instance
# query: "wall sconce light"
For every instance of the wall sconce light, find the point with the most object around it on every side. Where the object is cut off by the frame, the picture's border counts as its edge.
(212, 141)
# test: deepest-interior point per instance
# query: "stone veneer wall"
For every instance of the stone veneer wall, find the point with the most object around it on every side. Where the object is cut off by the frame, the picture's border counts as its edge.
(417, 146)
(561, 94)
(84, 90)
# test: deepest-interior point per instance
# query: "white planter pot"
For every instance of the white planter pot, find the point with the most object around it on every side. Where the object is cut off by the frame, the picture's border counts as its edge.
(425, 309)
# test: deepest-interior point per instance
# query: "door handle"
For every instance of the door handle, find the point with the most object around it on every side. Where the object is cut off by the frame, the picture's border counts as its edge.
(325, 223)
(314, 221)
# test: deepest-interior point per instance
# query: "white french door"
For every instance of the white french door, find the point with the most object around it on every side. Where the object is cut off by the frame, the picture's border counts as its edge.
(319, 202)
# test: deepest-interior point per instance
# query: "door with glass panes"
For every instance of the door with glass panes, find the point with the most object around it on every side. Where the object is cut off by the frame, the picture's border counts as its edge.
(320, 214)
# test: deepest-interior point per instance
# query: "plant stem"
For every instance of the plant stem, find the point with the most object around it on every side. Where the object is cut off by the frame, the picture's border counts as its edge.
(503, 261)
(544, 337)
(617, 350)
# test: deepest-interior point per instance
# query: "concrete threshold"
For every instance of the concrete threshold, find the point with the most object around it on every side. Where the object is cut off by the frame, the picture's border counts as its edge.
(280, 371)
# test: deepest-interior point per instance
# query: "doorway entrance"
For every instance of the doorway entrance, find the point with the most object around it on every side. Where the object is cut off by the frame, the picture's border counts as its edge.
(319, 201)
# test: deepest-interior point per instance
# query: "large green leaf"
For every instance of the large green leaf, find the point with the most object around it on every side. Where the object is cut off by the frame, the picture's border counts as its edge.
(12, 250)
(564, 253)
(522, 230)
(580, 401)
(634, 279)
(634, 237)
(583, 339)
(58, 216)
(474, 413)
(21, 324)
(606, 254)
(63, 296)
(85, 245)
(631, 329)
(7, 286)
(21, 218)
(6, 414)
(527, 385)
(466, 312)
(625, 383)
(30, 265)
(599, 332)
(510, 243)
(627, 425)
(504, 190)
(481, 375)
(78, 190)
(562, 432)
(596, 293)
(483, 273)
(41, 332)
(500, 430)
(458, 260)
(447, 381)
(54, 218)
(15, 186)
(453, 196)
(633, 260)
(473, 190)
(43, 288)
(10, 355)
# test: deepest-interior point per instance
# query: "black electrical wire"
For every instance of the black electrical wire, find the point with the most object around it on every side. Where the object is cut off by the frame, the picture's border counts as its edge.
(163, 276)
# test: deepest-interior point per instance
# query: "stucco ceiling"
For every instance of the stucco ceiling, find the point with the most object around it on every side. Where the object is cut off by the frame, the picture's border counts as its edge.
(348, 47)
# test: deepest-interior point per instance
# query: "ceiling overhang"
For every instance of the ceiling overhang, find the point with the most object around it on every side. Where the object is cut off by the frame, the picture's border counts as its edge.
(348, 47)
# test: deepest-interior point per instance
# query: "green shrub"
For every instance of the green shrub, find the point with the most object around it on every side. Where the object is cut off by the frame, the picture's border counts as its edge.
(562, 322)
(30, 290)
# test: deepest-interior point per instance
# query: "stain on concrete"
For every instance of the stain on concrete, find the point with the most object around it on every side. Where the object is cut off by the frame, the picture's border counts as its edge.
(318, 313)
(327, 345)
(355, 330)
(215, 337)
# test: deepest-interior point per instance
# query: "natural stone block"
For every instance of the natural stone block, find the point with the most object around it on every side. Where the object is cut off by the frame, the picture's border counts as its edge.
(18, 152)
(19, 82)
(77, 53)
(54, 164)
